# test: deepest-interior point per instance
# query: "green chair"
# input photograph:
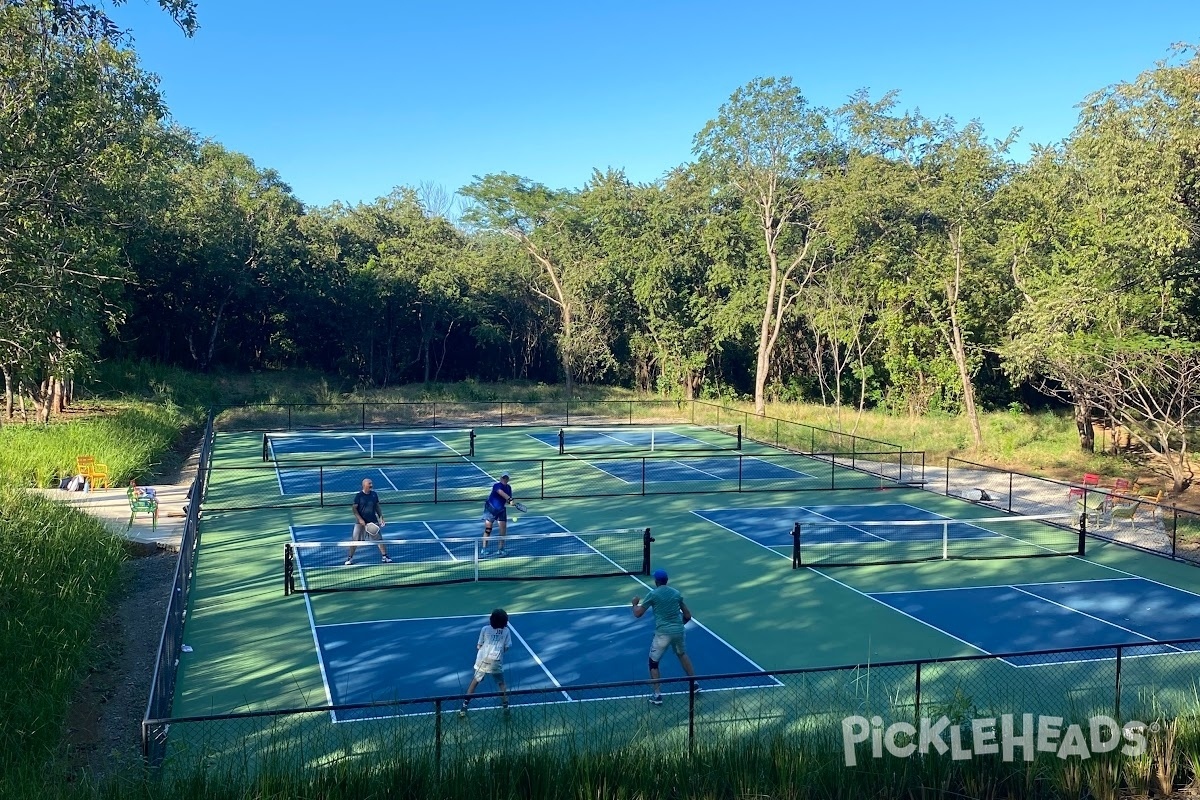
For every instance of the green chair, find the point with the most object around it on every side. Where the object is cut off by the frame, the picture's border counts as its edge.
(1125, 511)
(139, 504)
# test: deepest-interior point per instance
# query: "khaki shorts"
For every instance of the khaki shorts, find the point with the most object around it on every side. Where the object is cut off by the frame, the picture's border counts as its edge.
(360, 533)
(660, 643)
(485, 667)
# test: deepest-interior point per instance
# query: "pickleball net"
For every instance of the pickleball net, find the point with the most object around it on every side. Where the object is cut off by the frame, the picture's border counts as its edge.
(342, 445)
(593, 440)
(314, 567)
(868, 543)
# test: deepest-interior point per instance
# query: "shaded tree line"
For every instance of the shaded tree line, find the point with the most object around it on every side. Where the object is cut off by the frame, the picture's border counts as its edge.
(864, 255)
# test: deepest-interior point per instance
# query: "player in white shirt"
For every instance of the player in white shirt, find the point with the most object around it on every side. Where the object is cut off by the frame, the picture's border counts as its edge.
(494, 640)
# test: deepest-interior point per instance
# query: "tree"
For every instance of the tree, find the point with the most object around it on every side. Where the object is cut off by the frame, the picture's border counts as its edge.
(76, 18)
(78, 133)
(772, 147)
(549, 229)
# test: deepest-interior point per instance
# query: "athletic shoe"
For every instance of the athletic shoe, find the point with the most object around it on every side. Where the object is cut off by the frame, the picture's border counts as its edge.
(462, 712)
(656, 699)
(501, 553)
(386, 560)
(483, 552)
(349, 561)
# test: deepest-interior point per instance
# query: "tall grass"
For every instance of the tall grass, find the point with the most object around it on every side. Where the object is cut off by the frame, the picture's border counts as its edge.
(132, 439)
(58, 568)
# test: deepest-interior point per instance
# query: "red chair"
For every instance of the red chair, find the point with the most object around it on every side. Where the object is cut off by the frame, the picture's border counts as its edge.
(1078, 491)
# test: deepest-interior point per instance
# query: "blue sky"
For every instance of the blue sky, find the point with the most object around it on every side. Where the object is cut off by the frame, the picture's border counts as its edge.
(350, 98)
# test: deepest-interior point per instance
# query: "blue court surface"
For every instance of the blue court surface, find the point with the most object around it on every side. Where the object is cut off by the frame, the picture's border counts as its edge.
(771, 526)
(383, 660)
(618, 440)
(690, 470)
(409, 477)
(361, 444)
(1045, 616)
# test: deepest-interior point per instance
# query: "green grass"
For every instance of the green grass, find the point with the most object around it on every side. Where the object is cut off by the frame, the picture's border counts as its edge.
(58, 568)
(134, 439)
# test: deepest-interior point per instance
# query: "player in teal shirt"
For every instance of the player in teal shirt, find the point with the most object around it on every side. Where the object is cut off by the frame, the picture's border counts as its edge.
(670, 615)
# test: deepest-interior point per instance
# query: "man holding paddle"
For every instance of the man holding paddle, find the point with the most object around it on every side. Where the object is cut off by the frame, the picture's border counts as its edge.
(494, 510)
(368, 520)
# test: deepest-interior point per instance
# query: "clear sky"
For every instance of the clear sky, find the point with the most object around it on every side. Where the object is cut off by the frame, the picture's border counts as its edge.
(350, 98)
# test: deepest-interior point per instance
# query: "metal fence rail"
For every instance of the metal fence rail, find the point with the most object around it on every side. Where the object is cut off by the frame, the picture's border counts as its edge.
(1127, 682)
(1110, 515)
(302, 484)
(162, 684)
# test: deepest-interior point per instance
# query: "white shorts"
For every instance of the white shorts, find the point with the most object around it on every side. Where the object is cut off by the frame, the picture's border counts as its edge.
(660, 643)
(485, 666)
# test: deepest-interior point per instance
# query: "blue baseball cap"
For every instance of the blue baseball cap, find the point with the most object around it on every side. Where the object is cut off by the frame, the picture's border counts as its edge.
(660, 576)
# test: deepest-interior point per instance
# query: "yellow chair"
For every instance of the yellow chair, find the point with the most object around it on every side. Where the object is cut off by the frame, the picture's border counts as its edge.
(1125, 511)
(139, 504)
(84, 466)
(99, 478)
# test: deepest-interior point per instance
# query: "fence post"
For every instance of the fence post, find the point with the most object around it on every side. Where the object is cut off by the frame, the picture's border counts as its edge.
(543, 480)
(437, 736)
(364, 416)
(812, 439)
(947, 492)
(643, 476)
(741, 460)
(1117, 715)
(917, 699)
(289, 408)
(321, 484)
(1010, 491)
(691, 716)
(1174, 529)
(630, 412)
(435, 482)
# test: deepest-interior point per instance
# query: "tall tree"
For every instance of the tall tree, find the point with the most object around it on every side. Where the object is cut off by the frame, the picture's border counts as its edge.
(772, 146)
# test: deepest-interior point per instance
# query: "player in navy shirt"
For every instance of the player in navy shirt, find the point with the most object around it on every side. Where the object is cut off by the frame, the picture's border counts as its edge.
(367, 513)
(493, 510)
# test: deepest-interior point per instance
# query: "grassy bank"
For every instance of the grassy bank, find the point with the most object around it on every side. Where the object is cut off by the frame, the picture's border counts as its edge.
(58, 569)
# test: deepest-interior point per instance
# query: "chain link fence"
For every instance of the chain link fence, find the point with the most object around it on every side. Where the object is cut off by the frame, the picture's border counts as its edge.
(1131, 682)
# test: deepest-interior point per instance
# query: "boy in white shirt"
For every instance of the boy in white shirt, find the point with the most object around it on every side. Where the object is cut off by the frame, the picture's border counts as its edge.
(494, 641)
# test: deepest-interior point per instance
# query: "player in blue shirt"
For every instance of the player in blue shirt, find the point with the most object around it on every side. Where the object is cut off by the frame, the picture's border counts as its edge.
(494, 510)
(368, 519)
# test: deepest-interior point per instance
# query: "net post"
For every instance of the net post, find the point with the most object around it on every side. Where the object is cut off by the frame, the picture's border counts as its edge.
(476, 559)
(945, 541)
(646, 540)
(265, 446)
(472, 453)
(741, 460)
(435, 482)
(372, 441)
(1083, 522)
(288, 584)
(644, 475)
(542, 482)
(321, 483)
(562, 441)
(739, 437)
(796, 563)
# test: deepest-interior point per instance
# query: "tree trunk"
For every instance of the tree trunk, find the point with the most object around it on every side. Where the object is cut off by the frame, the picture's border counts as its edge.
(212, 339)
(8, 393)
(566, 349)
(958, 347)
(1083, 424)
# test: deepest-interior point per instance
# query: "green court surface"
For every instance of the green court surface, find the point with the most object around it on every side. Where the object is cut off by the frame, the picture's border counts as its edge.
(253, 649)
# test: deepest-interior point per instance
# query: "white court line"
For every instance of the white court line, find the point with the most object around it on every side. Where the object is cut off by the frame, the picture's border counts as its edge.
(697, 469)
(1124, 657)
(537, 660)
(516, 705)
(312, 625)
(851, 588)
(439, 541)
(1003, 585)
(386, 478)
(795, 472)
(1090, 616)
